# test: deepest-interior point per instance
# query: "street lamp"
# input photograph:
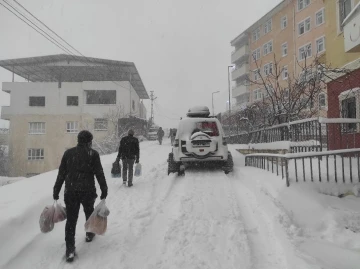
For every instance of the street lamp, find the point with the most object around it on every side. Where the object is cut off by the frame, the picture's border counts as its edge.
(232, 66)
(213, 101)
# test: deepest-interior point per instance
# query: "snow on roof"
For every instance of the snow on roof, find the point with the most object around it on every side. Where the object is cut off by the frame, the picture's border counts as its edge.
(346, 93)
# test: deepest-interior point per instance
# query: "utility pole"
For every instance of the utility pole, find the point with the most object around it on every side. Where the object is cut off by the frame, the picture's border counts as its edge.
(152, 98)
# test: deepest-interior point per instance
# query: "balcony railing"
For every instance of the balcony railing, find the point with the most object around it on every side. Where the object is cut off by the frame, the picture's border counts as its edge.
(238, 90)
(240, 55)
(5, 112)
(241, 71)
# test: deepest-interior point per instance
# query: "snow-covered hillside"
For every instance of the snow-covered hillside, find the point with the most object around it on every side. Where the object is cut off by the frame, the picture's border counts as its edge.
(205, 219)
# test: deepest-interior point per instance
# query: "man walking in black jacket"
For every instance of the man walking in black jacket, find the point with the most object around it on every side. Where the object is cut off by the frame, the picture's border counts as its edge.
(78, 167)
(129, 152)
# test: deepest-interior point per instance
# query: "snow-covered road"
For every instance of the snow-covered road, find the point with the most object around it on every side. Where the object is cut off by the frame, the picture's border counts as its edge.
(205, 219)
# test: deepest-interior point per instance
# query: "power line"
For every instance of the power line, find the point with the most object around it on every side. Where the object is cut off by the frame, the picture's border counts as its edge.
(67, 51)
(47, 35)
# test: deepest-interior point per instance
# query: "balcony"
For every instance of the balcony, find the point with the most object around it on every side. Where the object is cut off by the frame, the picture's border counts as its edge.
(352, 30)
(240, 72)
(238, 90)
(240, 55)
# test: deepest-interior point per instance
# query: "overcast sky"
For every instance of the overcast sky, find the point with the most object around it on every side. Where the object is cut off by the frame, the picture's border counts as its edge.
(181, 48)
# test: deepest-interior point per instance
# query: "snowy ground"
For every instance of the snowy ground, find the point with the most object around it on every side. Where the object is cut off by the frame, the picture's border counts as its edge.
(204, 220)
(9, 180)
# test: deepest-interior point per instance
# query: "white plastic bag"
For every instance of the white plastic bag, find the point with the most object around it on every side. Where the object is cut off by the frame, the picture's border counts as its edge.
(137, 170)
(60, 213)
(97, 223)
(46, 220)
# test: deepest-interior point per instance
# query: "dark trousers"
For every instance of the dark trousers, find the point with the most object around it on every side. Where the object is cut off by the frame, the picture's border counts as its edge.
(128, 164)
(72, 202)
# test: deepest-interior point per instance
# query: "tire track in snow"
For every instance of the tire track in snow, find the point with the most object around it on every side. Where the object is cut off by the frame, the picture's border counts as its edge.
(197, 228)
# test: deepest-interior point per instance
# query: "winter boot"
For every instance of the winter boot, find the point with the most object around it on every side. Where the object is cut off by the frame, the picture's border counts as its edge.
(89, 237)
(130, 184)
(70, 255)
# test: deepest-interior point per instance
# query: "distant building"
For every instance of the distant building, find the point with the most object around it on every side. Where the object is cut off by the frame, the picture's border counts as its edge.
(65, 94)
(291, 30)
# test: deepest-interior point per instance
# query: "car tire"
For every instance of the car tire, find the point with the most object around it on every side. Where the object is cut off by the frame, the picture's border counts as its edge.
(173, 166)
(229, 164)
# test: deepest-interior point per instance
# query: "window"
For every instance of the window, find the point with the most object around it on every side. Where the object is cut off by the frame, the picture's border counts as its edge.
(106, 97)
(345, 7)
(268, 48)
(37, 101)
(256, 74)
(72, 100)
(304, 26)
(256, 54)
(305, 52)
(257, 94)
(322, 100)
(207, 127)
(348, 110)
(35, 154)
(101, 125)
(36, 127)
(133, 105)
(320, 44)
(268, 69)
(72, 127)
(267, 26)
(303, 4)
(256, 34)
(269, 89)
(285, 73)
(319, 17)
(284, 22)
(284, 49)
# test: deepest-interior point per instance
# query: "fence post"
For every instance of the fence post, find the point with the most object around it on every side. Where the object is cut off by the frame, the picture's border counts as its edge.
(287, 172)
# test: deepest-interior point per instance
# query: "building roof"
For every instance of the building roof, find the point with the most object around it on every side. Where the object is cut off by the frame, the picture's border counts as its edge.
(69, 68)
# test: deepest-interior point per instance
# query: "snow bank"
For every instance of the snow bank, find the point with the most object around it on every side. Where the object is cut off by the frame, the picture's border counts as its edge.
(9, 180)
(323, 229)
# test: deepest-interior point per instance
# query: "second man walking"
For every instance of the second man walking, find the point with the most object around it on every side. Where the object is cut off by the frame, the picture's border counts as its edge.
(129, 152)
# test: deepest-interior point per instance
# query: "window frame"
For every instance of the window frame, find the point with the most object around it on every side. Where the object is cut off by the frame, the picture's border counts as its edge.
(282, 49)
(256, 74)
(37, 131)
(270, 65)
(257, 54)
(113, 100)
(256, 34)
(316, 42)
(322, 94)
(305, 24)
(74, 130)
(304, 4)
(34, 157)
(267, 45)
(257, 92)
(322, 11)
(285, 67)
(308, 56)
(266, 26)
(282, 22)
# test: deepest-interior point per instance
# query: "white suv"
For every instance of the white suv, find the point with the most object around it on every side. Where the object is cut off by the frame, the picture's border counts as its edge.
(199, 139)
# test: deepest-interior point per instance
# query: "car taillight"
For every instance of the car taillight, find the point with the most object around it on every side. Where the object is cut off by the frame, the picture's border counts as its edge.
(176, 143)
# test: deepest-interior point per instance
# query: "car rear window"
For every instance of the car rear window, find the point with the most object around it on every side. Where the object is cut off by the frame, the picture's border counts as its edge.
(209, 128)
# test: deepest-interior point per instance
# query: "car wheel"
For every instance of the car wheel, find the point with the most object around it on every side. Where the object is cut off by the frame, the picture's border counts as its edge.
(229, 164)
(173, 166)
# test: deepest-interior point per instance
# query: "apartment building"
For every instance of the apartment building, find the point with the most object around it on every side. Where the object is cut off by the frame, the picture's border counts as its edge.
(65, 94)
(288, 34)
(343, 35)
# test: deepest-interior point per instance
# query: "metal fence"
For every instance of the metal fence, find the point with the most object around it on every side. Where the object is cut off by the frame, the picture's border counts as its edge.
(315, 134)
(338, 166)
